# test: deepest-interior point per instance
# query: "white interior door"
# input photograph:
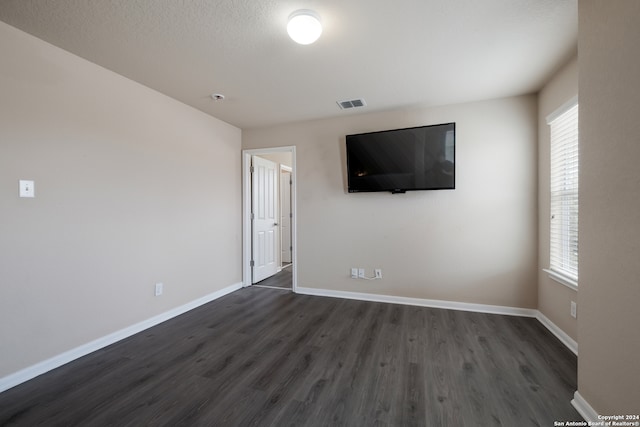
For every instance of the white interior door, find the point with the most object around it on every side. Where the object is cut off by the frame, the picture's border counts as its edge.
(285, 215)
(264, 205)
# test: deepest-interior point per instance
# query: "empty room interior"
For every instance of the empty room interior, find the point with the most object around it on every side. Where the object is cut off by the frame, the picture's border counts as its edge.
(205, 221)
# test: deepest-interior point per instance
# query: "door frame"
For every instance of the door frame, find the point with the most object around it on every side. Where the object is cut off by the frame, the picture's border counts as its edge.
(289, 170)
(246, 211)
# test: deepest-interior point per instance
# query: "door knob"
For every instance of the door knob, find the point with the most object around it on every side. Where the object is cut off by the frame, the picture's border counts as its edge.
(275, 223)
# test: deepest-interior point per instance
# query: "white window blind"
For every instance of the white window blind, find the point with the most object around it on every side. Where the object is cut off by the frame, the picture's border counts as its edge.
(564, 192)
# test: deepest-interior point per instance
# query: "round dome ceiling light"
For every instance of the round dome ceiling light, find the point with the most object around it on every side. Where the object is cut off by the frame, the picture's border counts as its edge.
(304, 26)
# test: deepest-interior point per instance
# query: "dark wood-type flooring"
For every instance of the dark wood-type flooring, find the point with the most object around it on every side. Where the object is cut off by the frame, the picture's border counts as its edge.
(282, 279)
(265, 357)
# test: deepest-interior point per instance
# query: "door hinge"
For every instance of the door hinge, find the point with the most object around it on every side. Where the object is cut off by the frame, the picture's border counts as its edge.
(251, 169)
(252, 216)
(290, 214)
(251, 263)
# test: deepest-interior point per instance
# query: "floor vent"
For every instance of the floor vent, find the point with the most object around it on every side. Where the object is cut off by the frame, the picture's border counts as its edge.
(352, 103)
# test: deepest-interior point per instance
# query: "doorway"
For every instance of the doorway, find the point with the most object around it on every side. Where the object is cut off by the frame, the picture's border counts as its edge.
(285, 250)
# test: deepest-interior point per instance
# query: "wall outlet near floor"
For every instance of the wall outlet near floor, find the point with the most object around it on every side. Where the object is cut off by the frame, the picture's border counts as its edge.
(159, 288)
(574, 309)
(361, 273)
(354, 273)
(377, 273)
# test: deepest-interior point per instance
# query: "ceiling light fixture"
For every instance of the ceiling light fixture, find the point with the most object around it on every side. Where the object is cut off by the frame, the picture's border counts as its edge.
(304, 26)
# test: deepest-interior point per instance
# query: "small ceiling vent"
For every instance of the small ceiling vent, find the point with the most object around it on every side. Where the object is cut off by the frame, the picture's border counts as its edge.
(352, 103)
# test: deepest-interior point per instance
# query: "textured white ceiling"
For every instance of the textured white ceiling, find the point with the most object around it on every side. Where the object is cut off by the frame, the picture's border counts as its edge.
(393, 54)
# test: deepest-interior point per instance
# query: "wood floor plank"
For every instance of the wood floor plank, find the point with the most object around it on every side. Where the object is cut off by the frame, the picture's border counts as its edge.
(283, 279)
(266, 357)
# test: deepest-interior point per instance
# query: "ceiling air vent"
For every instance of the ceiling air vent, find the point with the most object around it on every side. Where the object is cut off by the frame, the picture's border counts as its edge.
(352, 103)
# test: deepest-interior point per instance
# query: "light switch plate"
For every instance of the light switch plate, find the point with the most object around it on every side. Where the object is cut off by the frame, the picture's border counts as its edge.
(27, 188)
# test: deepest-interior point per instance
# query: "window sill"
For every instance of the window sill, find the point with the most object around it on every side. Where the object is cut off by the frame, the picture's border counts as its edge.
(569, 283)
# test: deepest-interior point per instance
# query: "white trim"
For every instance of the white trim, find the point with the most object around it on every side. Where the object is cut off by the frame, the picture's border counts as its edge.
(246, 210)
(582, 406)
(451, 305)
(289, 170)
(559, 333)
(562, 109)
(560, 278)
(246, 219)
(40, 368)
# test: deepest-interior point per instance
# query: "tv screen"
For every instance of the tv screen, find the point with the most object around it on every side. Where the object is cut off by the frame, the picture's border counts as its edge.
(418, 158)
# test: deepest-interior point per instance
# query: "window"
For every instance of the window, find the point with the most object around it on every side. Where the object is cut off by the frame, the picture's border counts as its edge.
(563, 263)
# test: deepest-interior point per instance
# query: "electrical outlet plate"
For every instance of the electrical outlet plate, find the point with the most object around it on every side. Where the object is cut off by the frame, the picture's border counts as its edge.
(159, 289)
(354, 273)
(574, 309)
(361, 273)
(377, 273)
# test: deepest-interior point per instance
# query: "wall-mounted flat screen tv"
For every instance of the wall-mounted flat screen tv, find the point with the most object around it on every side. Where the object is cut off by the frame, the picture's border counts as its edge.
(400, 160)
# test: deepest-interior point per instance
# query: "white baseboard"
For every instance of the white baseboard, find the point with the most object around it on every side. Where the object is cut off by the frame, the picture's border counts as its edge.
(451, 305)
(559, 333)
(40, 368)
(582, 406)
